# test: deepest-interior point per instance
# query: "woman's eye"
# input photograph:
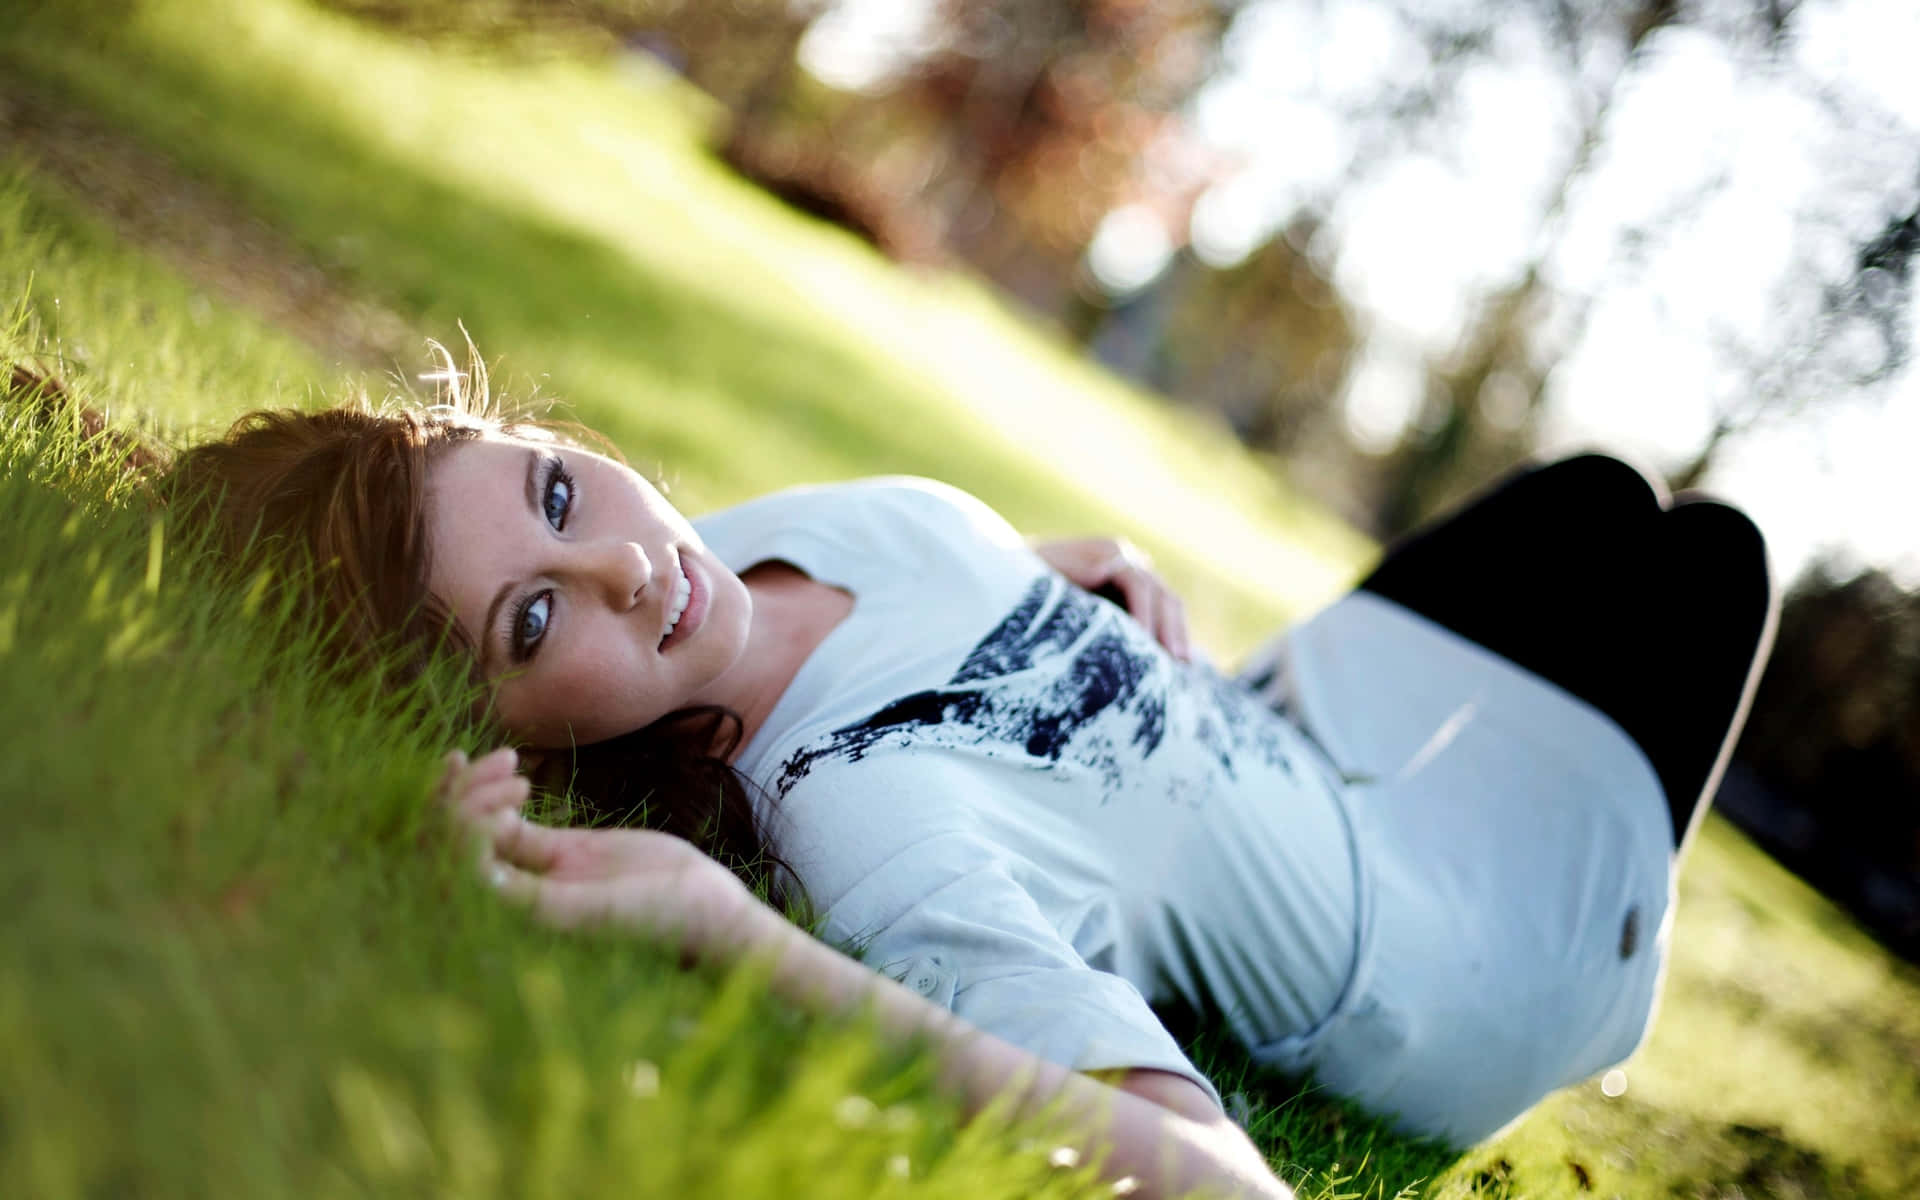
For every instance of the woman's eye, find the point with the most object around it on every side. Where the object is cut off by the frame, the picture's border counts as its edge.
(558, 501)
(530, 623)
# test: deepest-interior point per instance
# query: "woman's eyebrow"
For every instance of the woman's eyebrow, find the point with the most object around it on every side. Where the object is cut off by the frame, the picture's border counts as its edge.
(507, 585)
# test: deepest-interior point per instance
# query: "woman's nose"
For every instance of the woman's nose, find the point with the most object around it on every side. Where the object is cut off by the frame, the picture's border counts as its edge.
(622, 570)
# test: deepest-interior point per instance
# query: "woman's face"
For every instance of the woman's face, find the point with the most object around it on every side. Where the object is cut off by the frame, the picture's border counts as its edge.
(594, 606)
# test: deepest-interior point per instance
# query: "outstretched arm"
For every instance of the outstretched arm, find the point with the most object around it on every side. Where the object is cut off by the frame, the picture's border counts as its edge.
(663, 887)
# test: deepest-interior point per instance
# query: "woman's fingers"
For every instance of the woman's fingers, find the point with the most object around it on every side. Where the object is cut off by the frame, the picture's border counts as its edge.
(454, 767)
(1142, 593)
(572, 905)
(536, 847)
(565, 904)
(1172, 627)
(510, 881)
(490, 796)
(1097, 563)
(576, 903)
(1153, 604)
(479, 791)
(497, 765)
(473, 789)
(587, 854)
(645, 881)
(1085, 561)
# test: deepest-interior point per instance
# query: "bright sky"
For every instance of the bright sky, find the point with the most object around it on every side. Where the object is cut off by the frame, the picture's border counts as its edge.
(1417, 242)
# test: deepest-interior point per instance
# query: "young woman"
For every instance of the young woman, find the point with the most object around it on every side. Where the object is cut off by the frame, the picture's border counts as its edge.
(1423, 847)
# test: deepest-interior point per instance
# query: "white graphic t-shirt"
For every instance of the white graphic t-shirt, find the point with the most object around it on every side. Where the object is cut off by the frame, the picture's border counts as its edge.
(1003, 791)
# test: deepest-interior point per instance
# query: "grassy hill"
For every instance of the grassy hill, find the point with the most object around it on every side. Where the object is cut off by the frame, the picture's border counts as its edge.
(236, 960)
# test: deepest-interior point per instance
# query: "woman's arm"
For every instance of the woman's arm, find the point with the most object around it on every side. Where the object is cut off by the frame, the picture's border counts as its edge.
(663, 887)
(1168, 1153)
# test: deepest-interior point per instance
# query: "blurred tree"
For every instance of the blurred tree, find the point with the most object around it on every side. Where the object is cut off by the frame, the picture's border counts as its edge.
(1857, 637)
(1478, 417)
(1265, 343)
(1834, 739)
(741, 52)
(1042, 112)
(1856, 336)
(1011, 133)
(1839, 310)
(1843, 326)
(1462, 436)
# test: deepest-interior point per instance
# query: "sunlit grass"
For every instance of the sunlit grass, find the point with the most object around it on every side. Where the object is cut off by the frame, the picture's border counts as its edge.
(234, 952)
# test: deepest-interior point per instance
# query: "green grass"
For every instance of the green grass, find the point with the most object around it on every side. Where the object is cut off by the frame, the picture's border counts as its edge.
(236, 959)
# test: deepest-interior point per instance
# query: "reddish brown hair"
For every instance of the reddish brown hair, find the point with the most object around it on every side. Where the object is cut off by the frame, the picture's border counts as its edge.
(337, 497)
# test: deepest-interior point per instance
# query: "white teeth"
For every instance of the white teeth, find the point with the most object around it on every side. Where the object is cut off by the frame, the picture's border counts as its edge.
(677, 604)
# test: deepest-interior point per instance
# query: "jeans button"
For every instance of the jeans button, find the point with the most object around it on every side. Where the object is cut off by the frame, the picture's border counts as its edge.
(1630, 932)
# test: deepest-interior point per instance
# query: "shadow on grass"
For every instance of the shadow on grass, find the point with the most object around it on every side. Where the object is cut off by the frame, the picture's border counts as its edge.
(1623, 1146)
(1660, 1152)
(1841, 1036)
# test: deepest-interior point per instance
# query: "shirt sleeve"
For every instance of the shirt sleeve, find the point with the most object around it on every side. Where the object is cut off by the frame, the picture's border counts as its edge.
(945, 913)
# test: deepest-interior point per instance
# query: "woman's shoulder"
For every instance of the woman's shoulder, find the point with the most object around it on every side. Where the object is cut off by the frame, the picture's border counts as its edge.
(901, 516)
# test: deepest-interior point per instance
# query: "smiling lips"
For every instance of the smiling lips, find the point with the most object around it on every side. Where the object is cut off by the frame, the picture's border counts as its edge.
(677, 603)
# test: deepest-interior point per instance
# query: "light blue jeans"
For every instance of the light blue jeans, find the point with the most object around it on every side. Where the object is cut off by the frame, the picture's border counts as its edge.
(1514, 864)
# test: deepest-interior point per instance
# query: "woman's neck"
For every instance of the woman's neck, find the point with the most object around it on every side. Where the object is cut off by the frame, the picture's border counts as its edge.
(792, 615)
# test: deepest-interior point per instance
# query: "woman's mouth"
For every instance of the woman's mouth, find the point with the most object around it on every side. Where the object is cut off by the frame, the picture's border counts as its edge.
(686, 607)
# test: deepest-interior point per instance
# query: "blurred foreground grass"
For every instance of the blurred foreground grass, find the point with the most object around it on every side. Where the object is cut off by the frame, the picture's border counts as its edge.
(235, 962)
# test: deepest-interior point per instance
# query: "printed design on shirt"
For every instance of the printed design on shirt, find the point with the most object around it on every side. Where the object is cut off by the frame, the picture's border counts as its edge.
(1066, 677)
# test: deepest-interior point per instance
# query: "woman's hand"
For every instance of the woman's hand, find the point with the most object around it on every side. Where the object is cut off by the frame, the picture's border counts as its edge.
(639, 879)
(663, 886)
(1104, 562)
